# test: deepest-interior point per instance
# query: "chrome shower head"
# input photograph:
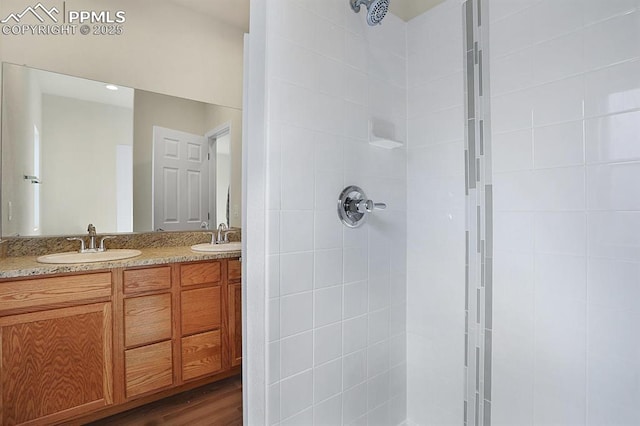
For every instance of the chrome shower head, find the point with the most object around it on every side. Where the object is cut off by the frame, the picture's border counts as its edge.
(376, 9)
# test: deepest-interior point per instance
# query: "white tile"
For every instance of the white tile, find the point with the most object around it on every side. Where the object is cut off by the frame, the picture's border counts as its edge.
(512, 111)
(614, 235)
(329, 39)
(613, 138)
(293, 63)
(328, 268)
(303, 418)
(559, 189)
(355, 265)
(357, 89)
(553, 18)
(327, 380)
(327, 343)
(273, 404)
(561, 276)
(379, 416)
(296, 354)
(513, 292)
(329, 184)
(296, 231)
(355, 299)
(296, 314)
(612, 41)
(503, 8)
(327, 306)
(378, 390)
(293, 22)
(330, 76)
(297, 169)
(613, 89)
(513, 34)
(611, 335)
(329, 412)
(513, 231)
(274, 319)
(598, 10)
(613, 187)
(558, 58)
(378, 359)
(445, 125)
(296, 394)
(355, 334)
(512, 72)
(273, 276)
(356, 51)
(296, 273)
(613, 284)
(355, 369)
(437, 95)
(273, 372)
(562, 233)
(379, 291)
(513, 191)
(329, 114)
(512, 151)
(437, 161)
(559, 101)
(328, 152)
(273, 232)
(354, 403)
(327, 230)
(378, 326)
(559, 145)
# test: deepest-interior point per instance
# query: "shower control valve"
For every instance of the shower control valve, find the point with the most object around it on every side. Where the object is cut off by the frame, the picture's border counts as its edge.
(354, 206)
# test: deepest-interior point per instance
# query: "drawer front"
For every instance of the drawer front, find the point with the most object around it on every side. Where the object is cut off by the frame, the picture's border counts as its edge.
(63, 291)
(201, 273)
(147, 319)
(201, 354)
(148, 368)
(234, 270)
(148, 279)
(200, 310)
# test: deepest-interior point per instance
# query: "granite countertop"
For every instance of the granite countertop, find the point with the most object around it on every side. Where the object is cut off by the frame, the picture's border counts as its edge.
(27, 266)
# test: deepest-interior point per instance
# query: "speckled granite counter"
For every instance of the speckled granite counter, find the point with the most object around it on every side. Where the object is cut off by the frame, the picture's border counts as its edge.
(26, 266)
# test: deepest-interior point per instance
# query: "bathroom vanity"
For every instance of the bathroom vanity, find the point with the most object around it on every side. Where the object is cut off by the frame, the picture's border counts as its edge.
(80, 342)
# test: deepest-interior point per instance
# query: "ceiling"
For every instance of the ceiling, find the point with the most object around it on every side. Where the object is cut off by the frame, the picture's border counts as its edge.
(236, 12)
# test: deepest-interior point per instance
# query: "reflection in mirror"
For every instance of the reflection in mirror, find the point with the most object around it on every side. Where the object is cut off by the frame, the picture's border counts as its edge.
(74, 152)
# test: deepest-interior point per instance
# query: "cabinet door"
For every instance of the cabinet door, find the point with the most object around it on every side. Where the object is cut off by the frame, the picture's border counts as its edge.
(56, 364)
(200, 310)
(148, 368)
(235, 324)
(201, 354)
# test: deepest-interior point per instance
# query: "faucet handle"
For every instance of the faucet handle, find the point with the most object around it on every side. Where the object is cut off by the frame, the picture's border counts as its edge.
(213, 237)
(82, 248)
(226, 234)
(106, 237)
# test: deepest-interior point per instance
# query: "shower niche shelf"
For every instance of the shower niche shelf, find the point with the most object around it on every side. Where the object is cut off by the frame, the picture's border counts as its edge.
(382, 134)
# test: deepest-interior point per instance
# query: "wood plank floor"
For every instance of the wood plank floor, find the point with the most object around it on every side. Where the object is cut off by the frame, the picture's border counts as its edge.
(216, 404)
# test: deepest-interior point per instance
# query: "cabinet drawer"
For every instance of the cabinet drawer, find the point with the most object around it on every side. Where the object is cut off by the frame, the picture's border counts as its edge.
(148, 368)
(201, 354)
(234, 270)
(147, 319)
(53, 291)
(200, 273)
(200, 310)
(148, 279)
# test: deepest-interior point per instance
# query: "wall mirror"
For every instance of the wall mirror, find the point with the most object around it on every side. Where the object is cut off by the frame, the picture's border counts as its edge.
(77, 151)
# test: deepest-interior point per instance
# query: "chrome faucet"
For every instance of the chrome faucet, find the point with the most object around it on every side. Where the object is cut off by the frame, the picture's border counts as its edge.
(221, 236)
(92, 241)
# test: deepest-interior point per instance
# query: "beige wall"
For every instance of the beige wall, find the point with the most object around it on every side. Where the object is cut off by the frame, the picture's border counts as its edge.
(91, 131)
(164, 48)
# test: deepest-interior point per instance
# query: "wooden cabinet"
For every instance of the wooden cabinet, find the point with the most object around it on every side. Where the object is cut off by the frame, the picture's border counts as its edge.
(56, 363)
(83, 346)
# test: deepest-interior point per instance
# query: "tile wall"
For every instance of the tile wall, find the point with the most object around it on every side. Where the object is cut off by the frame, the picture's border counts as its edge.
(336, 351)
(436, 218)
(565, 82)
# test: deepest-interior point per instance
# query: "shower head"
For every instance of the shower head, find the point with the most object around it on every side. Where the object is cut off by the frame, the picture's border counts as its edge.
(376, 9)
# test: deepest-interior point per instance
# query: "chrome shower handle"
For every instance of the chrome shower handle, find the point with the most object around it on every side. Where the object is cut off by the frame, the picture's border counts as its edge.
(369, 206)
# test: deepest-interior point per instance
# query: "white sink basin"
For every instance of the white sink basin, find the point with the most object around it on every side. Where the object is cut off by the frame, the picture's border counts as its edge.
(76, 257)
(207, 247)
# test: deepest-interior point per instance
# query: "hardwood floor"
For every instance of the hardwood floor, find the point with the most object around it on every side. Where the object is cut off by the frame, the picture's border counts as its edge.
(216, 404)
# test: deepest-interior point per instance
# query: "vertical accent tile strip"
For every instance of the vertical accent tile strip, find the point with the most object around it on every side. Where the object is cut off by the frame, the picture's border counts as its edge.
(479, 227)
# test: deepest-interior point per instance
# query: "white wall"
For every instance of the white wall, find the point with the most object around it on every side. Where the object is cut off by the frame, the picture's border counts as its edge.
(94, 131)
(565, 107)
(336, 297)
(164, 48)
(436, 218)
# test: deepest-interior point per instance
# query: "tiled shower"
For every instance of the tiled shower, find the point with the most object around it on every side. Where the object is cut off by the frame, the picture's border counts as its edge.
(500, 285)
